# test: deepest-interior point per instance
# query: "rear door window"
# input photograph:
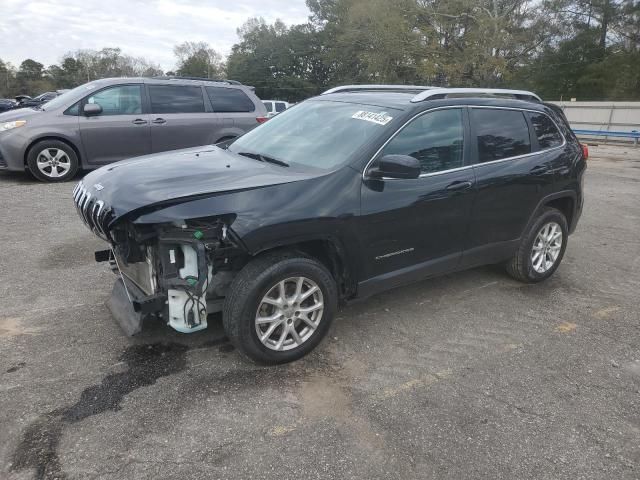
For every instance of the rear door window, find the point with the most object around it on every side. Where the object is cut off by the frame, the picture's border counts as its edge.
(500, 133)
(280, 107)
(229, 100)
(176, 99)
(120, 100)
(546, 131)
(268, 106)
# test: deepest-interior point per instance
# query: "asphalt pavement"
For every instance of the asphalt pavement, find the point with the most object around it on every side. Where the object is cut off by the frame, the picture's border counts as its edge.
(468, 376)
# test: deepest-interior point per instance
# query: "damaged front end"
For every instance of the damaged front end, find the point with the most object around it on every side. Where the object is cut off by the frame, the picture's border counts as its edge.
(175, 272)
(178, 272)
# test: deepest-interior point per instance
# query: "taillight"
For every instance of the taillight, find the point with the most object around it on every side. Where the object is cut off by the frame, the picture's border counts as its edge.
(585, 150)
(262, 119)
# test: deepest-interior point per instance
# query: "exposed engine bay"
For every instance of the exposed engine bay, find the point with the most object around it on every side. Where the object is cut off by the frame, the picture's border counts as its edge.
(178, 273)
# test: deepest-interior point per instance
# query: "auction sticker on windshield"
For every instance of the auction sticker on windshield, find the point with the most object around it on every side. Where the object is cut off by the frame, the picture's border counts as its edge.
(380, 118)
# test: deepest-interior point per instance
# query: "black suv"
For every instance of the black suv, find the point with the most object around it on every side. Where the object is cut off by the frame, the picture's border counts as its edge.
(358, 190)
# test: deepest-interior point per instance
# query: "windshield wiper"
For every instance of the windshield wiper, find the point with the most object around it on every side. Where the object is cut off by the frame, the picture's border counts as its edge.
(263, 158)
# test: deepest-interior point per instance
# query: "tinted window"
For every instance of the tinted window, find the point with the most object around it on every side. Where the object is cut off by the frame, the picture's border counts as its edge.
(267, 105)
(176, 99)
(546, 131)
(229, 100)
(280, 107)
(120, 100)
(436, 139)
(501, 133)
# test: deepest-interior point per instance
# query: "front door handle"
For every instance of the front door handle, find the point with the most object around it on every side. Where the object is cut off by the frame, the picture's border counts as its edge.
(539, 170)
(139, 121)
(459, 185)
(159, 121)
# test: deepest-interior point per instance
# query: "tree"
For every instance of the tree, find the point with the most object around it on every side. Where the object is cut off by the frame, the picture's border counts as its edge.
(198, 59)
(281, 62)
(30, 70)
(8, 87)
(109, 62)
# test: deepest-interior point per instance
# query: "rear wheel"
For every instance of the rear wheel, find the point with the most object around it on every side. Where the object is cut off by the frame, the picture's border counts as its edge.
(52, 161)
(279, 308)
(541, 249)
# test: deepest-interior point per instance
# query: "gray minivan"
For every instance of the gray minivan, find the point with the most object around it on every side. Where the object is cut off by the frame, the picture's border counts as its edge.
(117, 118)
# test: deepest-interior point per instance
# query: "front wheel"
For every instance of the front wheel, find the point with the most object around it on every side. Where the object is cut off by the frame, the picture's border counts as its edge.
(52, 161)
(279, 307)
(541, 248)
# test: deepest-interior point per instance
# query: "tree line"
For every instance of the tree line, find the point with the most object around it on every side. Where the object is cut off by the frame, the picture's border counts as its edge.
(587, 49)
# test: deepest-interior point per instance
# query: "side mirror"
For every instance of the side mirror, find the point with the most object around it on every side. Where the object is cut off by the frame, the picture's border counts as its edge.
(396, 166)
(91, 109)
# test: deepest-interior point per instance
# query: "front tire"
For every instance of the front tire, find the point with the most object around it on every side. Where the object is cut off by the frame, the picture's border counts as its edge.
(279, 307)
(52, 161)
(541, 248)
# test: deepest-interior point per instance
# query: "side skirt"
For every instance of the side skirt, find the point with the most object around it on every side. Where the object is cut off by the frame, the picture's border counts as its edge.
(407, 275)
(484, 255)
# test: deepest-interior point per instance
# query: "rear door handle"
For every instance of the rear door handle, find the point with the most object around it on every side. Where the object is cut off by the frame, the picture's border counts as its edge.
(539, 170)
(139, 121)
(459, 185)
(159, 121)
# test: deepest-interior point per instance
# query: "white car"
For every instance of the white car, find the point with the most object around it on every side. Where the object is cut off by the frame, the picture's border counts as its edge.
(275, 107)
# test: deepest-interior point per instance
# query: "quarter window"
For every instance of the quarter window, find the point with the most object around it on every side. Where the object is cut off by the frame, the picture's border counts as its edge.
(73, 109)
(120, 100)
(501, 133)
(229, 100)
(546, 131)
(176, 99)
(436, 139)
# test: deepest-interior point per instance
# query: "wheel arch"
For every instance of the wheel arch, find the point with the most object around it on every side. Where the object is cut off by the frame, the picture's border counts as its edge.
(330, 252)
(566, 204)
(57, 138)
(565, 201)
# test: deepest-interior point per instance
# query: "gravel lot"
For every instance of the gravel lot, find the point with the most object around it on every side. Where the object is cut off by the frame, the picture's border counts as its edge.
(471, 375)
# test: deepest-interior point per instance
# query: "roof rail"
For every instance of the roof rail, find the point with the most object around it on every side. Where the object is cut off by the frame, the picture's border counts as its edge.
(201, 79)
(391, 88)
(436, 93)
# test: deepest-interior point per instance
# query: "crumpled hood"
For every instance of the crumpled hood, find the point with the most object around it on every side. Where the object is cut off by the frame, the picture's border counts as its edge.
(180, 175)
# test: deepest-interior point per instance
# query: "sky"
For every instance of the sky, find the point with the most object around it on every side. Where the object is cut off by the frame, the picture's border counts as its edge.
(44, 30)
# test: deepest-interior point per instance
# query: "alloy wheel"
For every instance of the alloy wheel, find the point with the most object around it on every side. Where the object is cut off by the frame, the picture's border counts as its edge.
(53, 162)
(289, 313)
(546, 247)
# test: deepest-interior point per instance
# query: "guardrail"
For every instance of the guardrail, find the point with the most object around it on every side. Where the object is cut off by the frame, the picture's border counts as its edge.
(634, 134)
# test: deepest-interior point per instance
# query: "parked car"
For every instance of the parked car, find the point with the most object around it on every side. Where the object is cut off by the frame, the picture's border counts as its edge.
(6, 104)
(351, 193)
(117, 118)
(24, 101)
(274, 107)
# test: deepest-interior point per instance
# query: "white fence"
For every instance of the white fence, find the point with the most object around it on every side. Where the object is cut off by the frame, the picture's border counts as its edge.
(603, 117)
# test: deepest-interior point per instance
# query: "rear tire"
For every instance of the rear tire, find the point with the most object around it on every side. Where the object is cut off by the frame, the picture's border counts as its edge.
(52, 161)
(541, 248)
(271, 325)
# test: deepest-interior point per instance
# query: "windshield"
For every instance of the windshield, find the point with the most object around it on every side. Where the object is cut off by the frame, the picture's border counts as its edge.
(64, 99)
(319, 134)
